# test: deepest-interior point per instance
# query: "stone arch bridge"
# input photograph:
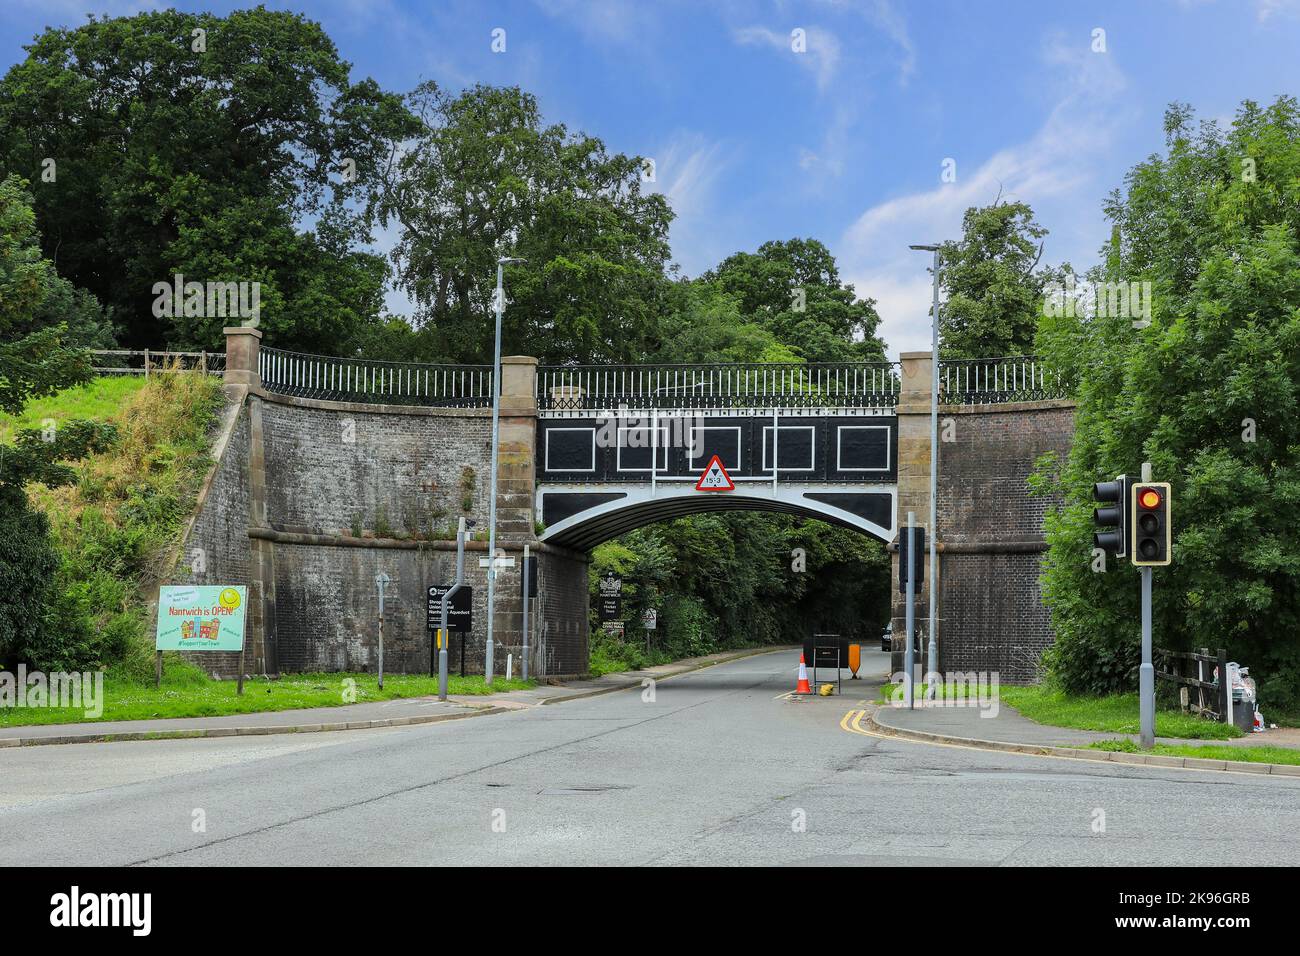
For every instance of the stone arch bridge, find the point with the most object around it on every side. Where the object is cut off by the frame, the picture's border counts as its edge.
(329, 471)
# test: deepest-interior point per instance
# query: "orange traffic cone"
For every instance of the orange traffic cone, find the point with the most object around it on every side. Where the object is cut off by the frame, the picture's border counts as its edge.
(803, 687)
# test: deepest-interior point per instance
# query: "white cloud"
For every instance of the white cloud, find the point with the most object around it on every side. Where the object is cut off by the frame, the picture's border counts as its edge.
(821, 55)
(891, 23)
(1266, 9)
(1054, 171)
(688, 170)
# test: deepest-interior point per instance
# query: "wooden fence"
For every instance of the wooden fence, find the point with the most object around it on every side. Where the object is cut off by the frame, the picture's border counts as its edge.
(1190, 670)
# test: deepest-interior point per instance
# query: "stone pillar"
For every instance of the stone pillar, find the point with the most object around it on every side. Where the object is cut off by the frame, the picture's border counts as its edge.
(243, 346)
(913, 492)
(516, 474)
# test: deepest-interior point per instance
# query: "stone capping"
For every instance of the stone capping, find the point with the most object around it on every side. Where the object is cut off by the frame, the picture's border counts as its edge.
(993, 409)
(366, 408)
(328, 539)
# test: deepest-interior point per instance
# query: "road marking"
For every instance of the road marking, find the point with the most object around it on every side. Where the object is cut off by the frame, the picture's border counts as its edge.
(852, 723)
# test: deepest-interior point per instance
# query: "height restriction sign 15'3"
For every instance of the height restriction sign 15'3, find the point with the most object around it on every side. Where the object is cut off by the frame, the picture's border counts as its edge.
(715, 477)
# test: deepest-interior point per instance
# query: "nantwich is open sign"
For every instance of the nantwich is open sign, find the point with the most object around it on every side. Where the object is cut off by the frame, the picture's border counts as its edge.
(201, 617)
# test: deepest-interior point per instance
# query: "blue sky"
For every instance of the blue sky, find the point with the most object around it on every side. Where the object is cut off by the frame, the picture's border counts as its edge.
(846, 140)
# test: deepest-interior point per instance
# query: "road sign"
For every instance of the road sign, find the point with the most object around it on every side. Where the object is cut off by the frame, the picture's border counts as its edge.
(715, 477)
(611, 597)
(200, 617)
(650, 619)
(502, 562)
(460, 613)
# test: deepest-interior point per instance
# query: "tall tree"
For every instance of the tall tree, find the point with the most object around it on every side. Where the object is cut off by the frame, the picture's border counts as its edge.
(35, 361)
(172, 142)
(793, 289)
(485, 178)
(1208, 392)
(991, 283)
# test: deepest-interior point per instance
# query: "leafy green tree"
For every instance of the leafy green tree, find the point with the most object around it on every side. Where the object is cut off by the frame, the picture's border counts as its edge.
(34, 362)
(794, 291)
(172, 142)
(991, 284)
(484, 178)
(1208, 393)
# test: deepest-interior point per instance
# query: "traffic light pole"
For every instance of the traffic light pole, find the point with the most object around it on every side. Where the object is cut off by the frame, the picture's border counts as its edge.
(910, 616)
(1147, 673)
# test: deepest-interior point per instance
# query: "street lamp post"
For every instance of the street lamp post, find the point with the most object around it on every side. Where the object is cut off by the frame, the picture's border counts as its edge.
(932, 650)
(499, 306)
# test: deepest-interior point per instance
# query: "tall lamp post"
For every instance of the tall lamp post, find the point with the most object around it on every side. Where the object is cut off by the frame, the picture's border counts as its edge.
(932, 651)
(499, 306)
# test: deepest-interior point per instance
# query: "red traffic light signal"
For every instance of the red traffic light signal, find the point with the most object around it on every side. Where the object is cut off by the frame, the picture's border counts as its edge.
(1151, 544)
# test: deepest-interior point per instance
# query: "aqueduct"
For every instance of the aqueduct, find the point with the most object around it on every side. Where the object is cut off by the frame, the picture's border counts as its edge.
(332, 470)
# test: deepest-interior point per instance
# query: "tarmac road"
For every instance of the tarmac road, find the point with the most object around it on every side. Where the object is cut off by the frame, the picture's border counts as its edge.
(718, 768)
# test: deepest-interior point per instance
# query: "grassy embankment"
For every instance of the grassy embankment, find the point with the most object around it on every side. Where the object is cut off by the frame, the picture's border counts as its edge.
(115, 529)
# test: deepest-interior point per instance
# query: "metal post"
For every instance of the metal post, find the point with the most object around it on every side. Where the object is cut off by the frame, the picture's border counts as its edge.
(492, 501)
(932, 651)
(446, 604)
(908, 663)
(1147, 673)
(381, 579)
(499, 307)
(526, 597)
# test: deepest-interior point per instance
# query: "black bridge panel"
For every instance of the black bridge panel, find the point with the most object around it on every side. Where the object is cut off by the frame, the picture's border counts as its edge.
(558, 505)
(874, 507)
(812, 448)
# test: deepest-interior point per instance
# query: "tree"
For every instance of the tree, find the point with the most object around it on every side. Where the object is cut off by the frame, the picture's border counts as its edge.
(991, 284)
(1208, 393)
(486, 178)
(171, 142)
(794, 291)
(34, 362)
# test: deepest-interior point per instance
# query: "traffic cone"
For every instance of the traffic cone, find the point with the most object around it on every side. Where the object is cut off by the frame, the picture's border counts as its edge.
(803, 687)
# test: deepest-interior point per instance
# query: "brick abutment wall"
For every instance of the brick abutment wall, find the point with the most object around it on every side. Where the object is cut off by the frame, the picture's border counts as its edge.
(991, 542)
(310, 500)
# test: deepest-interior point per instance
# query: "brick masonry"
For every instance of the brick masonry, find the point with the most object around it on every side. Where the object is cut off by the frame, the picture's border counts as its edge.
(991, 615)
(311, 500)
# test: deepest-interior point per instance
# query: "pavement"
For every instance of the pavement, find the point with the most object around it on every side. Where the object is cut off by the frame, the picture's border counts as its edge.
(387, 713)
(1003, 727)
(718, 765)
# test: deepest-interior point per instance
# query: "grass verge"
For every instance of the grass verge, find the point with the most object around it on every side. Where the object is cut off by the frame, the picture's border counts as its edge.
(1113, 714)
(1117, 713)
(1282, 755)
(187, 692)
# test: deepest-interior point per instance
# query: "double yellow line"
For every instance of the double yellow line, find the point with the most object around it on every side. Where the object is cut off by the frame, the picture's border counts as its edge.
(852, 723)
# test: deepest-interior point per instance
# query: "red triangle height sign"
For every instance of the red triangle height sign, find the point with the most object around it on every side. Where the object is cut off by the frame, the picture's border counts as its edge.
(715, 477)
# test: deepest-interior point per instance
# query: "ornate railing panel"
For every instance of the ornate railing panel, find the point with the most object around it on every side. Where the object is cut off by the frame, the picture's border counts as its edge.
(994, 381)
(774, 385)
(363, 380)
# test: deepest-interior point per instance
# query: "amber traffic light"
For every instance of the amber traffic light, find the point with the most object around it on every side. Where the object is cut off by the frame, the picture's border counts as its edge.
(1151, 541)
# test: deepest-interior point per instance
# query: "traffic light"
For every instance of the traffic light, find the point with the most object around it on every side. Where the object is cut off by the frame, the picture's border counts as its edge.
(918, 561)
(1151, 533)
(1110, 517)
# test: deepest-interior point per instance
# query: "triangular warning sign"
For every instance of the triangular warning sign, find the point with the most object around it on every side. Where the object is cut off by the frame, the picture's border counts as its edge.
(715, 477)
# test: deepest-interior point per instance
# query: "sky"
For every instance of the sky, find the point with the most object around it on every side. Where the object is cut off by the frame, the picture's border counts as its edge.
(867, 124)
